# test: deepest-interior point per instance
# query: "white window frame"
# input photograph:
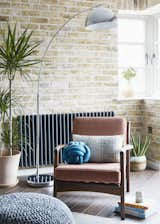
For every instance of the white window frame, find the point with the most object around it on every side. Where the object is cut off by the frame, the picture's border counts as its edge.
(154, 81)
(132, 17)
(152, 53)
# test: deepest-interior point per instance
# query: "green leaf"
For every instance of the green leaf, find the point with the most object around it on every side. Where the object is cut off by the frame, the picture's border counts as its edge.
(129, 74)
(134, 145)
(15, 51)
(140, 145)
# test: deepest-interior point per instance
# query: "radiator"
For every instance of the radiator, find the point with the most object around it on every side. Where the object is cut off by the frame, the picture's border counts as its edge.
(55, 129)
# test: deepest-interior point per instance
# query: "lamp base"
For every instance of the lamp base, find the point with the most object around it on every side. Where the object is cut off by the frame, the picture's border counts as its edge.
(42, 180)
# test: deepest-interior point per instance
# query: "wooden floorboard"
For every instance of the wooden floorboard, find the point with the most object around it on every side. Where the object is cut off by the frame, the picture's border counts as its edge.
(100, 204)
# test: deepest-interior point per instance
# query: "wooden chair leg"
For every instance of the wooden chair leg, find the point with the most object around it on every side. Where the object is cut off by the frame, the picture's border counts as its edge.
(128, 171)
(128, 158)
(122, 204)
(55, 189)
(122, 186)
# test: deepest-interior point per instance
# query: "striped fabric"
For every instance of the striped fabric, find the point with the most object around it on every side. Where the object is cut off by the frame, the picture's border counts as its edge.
(103, 148)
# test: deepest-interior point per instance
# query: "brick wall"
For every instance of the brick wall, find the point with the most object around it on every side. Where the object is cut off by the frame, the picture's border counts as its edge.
(80, 72)
(80, 69)
(153, 2)
(151, 118)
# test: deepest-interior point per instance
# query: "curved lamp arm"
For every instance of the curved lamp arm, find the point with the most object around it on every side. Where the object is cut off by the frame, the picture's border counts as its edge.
(40, 73)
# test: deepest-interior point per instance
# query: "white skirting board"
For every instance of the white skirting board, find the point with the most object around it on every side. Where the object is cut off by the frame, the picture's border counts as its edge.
(153, 164)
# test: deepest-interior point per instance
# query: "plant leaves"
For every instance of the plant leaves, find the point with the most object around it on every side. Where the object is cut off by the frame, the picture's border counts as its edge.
(16, 51)
(140, 144)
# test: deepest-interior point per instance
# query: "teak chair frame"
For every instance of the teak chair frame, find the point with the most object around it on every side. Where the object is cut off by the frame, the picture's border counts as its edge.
(116, 189)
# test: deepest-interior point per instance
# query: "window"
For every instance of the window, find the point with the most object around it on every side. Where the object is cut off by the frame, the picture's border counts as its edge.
(156, 60)
(139, 48)
(131, 52)
(153, 56)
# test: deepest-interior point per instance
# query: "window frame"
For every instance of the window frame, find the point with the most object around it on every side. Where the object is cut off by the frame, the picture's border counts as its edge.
(152, 53)
(151, 49)
(155, 51)
(134, 17)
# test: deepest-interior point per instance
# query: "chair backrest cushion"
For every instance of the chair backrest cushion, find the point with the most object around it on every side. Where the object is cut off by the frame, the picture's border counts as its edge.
(101, 126)
(104, 136)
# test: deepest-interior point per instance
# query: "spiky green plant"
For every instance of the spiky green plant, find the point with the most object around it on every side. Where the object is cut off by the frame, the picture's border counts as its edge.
(4, 109)
(15, 56)
(129, 74)
(4, 104)
(140, 144)
(15, 133)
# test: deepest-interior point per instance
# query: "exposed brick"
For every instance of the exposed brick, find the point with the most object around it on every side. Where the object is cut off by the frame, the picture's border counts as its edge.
(30, 13)
(4, 18)
(4, 4)
(153, 2)
(48, 1)
(80, 68)
(39, 20)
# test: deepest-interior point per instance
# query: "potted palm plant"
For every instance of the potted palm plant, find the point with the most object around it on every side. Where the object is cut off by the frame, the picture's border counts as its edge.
(4, 106)
(15, 56)
(138, 153)
(128, 75)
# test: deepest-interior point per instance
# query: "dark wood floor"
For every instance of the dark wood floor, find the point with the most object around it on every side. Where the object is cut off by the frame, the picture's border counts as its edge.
(100, 204)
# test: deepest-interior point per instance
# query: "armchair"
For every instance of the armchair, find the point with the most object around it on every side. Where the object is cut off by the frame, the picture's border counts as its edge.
(112, 178)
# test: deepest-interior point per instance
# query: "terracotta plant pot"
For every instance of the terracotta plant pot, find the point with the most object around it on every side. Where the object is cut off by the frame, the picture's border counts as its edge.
(138, 163)
(9, 168)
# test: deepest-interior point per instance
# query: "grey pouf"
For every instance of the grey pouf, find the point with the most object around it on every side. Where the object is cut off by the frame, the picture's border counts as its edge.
(33, 208)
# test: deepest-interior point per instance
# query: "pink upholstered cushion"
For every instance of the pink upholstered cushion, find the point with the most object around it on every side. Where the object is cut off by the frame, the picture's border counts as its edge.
(89, 172)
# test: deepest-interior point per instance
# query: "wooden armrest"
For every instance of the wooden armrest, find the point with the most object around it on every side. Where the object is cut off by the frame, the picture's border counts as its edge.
(126, 148)
(57, 156)
(59, 147)
(125, 164)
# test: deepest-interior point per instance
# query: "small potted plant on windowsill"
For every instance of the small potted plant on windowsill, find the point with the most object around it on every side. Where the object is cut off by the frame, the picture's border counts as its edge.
(138, 154)
(128, 75)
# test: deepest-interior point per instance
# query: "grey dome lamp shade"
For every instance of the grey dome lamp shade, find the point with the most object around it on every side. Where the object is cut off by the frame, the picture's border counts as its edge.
(100, 18)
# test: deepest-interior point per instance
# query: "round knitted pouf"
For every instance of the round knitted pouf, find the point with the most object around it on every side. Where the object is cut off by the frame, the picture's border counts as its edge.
(33, 208)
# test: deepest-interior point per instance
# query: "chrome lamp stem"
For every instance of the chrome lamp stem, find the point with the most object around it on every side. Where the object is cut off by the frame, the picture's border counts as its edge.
(35, 180)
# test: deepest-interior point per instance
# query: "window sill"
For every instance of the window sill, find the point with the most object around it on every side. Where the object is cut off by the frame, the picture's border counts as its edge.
(136, 98)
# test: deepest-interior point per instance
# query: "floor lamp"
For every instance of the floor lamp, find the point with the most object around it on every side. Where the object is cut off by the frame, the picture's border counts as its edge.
(99, 18)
